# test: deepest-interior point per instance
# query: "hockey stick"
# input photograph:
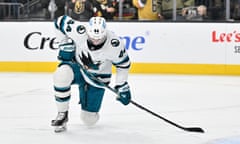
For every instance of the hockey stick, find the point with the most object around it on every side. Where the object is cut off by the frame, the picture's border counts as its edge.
(189, 129)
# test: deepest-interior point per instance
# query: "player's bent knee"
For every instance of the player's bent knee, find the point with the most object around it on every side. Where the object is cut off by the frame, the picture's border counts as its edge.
(63, 76)
(89, 118)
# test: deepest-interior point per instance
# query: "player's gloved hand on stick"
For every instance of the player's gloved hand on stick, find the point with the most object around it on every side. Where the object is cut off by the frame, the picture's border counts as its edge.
(124, 94)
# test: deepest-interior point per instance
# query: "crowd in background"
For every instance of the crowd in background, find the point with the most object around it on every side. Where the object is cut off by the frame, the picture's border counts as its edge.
(139, 10)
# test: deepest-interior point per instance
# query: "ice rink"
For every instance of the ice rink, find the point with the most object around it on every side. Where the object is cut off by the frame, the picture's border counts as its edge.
(211, 102)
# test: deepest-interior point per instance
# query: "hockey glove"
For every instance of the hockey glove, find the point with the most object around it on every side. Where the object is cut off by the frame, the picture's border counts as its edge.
(124, 94)
(66, 51)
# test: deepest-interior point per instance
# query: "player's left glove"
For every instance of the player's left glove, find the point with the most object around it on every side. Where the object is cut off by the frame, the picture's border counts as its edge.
(124, 94)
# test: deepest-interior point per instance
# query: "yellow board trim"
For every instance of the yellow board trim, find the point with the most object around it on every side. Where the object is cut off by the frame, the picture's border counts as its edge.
(144, 68)
(28, 66)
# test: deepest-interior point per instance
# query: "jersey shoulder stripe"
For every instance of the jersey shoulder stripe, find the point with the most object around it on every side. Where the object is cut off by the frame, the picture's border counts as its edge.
(60, 23)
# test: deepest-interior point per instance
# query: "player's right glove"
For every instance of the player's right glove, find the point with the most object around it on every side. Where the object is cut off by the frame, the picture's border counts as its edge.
(124, 94)
(66, 51)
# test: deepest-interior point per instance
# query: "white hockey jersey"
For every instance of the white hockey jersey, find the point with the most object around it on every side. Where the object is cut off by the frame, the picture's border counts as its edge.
(96, 60)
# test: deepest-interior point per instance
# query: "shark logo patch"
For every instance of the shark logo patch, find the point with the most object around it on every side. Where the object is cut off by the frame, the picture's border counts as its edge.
(88, 61)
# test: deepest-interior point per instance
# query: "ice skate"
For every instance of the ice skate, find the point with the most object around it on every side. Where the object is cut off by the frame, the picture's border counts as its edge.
(60, 123)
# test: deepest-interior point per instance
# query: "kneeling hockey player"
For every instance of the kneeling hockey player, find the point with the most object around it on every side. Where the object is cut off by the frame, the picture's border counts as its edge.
(86, 51)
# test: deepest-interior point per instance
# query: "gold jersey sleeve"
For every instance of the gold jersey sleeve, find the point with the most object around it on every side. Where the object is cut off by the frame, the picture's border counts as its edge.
(148, 11)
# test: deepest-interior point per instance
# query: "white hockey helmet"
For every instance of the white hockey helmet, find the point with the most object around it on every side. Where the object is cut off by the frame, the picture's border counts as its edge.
(96, 30)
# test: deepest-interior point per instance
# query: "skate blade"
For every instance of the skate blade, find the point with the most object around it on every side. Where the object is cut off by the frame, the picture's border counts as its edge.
(58, 129)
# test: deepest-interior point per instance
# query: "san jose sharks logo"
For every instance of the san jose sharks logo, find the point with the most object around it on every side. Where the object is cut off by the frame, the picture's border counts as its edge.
(88, 61)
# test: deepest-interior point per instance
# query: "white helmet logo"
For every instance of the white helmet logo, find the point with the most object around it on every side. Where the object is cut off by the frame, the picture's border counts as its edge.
(96, 31)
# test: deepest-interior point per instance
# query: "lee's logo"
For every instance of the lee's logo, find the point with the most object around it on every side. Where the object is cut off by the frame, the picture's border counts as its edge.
(225, 37)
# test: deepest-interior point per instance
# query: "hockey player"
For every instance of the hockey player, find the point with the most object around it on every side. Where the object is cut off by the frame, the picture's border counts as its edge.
(86, 51)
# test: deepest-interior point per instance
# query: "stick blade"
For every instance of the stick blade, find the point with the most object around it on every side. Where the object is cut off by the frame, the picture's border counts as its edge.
(194, 129)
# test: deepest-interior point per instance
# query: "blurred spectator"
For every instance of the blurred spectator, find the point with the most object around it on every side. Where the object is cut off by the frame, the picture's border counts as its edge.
(165, 8)
(147, 9)
(105, 8)
(129, 11)
(215, 8)
(235, 9)
(60, 7)
(81, 9)
(197, 13)
(53, 8)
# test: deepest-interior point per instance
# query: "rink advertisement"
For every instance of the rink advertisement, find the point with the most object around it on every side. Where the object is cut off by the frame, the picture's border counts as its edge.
(189, 48)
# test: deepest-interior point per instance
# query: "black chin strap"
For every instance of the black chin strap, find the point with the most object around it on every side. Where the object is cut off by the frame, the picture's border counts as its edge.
(93, 47)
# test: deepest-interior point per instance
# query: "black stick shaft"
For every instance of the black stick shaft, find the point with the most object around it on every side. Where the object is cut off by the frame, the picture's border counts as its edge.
(157, 115)
(189, 129)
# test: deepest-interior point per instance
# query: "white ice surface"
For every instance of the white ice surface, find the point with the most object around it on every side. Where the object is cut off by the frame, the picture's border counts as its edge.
(211, 102)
